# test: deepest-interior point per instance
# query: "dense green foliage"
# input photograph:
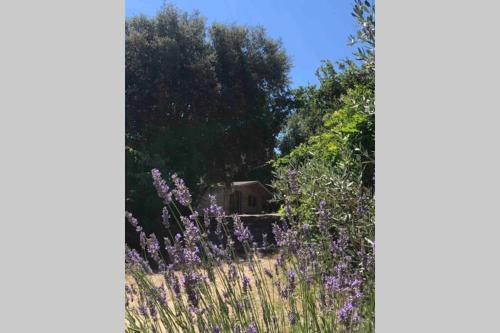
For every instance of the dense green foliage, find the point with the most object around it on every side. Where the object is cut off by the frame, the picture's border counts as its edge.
(341, 189)
(206, 102)
(328, 143)
(311, 104)
(328, 151)
(339, 115)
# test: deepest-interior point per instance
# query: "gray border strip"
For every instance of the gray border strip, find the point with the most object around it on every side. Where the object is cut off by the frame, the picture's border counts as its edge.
(437, 166)
(62, 166)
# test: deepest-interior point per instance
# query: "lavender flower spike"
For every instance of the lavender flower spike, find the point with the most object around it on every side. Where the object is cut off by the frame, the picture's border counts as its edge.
(345, 311)
(246, 283)
(153, 246)
(268, 272)
(165, 216)
(251, 328)
(292, 179)
(241, 232)
(231, 274)
(131, 219)
(161, 186)
(181, 192)
(291, 280)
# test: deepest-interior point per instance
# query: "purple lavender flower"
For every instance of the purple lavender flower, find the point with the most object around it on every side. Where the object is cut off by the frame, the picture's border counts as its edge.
(216, 329)
(283, 291)
(152, 310)
(191, 232)
(142, 309)
(292, 180)
(190, 256)
(217, 251)
(153, 248)
(345, 312)
(340, 268)
(161, 186)
(246, 283)
(215, 209)
(240, 306)
(323, 217)
(190, 281)
(176, 286)
(181, 192)
(129, 294)
(279, 235)
(357, 293)
(292, 318)
(142, 240)
(285, 237)
(152, 244)
(305, 272)
(133, 259)
(332, 284)
(206, 218)
(340, 245)
(231, 274)
(131, 219)
(194, 216)
(241, 232)
(191, 237)
(268, 272)
(219, 214)
(251, 328)
(291, 280)
(175, 251)
(288, 212)
(165, 216)
(162, 295)
(280, 260)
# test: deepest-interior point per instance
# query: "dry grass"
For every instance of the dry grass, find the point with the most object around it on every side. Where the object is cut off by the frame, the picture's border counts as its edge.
(220, 283)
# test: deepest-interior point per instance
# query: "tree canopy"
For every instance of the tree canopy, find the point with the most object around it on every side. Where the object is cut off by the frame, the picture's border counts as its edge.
(205, 102)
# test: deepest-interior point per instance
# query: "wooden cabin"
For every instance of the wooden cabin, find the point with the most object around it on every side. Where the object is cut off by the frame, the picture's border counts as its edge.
(242, 197)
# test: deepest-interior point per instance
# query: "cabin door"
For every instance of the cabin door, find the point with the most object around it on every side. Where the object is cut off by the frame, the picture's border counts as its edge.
(235, 202)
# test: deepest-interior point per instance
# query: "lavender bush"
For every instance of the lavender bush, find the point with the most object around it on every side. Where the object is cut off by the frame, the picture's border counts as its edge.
(312, 284)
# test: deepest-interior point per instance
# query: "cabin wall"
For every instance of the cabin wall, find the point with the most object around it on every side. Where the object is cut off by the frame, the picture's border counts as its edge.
(257, 209)
(222, 196)
(245, 207)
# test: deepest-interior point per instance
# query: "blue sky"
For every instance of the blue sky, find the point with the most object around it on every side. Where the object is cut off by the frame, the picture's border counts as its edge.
(311, 31)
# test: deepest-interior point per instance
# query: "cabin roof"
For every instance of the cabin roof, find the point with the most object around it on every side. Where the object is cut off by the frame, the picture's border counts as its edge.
(255, 184)
(248, 182)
